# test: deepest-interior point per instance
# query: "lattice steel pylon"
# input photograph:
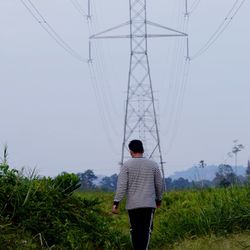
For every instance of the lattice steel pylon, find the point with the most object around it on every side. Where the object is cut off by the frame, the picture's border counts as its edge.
(140, 113)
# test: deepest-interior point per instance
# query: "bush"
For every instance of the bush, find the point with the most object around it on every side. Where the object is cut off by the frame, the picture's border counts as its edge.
(40, 213)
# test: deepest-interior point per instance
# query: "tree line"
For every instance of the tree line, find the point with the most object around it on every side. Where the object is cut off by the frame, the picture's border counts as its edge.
(224, 177)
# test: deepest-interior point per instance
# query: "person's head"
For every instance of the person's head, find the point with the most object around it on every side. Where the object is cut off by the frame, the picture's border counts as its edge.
(136, 147)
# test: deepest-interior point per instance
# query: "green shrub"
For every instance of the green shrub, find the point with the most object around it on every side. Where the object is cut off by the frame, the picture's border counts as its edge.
(43, 213)
(46, 213)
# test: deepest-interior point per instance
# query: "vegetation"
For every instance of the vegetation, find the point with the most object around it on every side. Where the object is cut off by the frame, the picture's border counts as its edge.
(232, 242)
(53, 213)
(186, 216)
(43, 213)
(192, 214)
(224, 177)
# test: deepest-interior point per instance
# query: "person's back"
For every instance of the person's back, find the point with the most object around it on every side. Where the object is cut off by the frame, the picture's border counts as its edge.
(140, 180)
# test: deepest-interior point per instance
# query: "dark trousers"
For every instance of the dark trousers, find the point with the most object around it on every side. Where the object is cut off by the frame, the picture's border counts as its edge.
(141, 222)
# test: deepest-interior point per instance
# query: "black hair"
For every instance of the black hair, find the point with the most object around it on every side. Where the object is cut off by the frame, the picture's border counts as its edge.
(136, 146)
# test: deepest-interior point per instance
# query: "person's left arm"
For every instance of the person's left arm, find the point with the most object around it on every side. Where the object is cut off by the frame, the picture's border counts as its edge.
(158, 187)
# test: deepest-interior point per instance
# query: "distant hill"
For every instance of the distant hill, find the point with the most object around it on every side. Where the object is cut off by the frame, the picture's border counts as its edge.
(206, 173)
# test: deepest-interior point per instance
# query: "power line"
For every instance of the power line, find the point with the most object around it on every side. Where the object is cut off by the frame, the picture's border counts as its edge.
(175, 100)
(102, 89)
(194, 6)
(36, 14)
(100, 108)
(180, 105)
(105, 98)
(79, 8)
(221, 28)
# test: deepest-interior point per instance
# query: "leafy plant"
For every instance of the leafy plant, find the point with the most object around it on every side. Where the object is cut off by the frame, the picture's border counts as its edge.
(43, 212)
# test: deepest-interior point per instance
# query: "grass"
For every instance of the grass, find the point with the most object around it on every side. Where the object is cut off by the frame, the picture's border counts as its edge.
(47, 213)
(230, 242)
(199, 213)
(206, 215)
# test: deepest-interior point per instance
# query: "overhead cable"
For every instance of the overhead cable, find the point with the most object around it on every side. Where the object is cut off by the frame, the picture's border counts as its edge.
(104, 119)
(36, 14)
(102, 88)
(221, 28)
(94, 25)
(178, 116)
(194, 6)
(79, 8)
(175, 86)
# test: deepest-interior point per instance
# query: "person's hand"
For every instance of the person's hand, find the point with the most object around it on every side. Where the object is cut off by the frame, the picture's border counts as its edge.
(158, 203)
(115, 209)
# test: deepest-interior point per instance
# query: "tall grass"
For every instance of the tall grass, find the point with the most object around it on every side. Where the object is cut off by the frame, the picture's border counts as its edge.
(48, 213)
(43, 213)
(192, 214)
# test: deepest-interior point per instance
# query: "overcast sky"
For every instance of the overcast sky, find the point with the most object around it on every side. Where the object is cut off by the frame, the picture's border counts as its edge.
(54, 118)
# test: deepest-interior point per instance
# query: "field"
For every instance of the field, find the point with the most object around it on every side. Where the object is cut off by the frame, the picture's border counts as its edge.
(48, 213)
(198, 219)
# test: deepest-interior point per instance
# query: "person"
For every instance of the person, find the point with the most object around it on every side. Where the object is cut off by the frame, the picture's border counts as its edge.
(140, 180)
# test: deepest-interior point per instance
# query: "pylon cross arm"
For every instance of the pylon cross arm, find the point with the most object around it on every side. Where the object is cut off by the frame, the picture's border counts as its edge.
(103, 34)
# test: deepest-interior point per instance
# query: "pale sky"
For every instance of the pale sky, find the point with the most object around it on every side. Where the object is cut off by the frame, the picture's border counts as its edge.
(54, 118)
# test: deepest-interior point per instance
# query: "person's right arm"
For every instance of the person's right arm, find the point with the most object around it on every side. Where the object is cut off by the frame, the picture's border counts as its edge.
(121, 189)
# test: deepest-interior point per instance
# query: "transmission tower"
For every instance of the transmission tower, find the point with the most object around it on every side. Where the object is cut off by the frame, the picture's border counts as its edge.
(140, 120)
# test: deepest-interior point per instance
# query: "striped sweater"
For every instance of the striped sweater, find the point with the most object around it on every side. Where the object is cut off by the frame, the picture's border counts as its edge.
(140, 180)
